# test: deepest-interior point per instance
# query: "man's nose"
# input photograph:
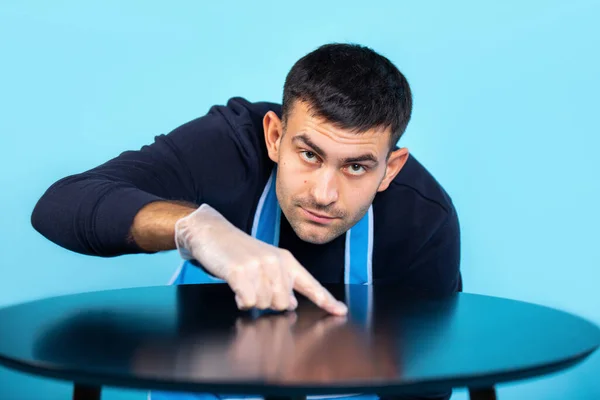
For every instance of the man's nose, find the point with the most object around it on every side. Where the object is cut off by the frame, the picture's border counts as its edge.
(325, 187)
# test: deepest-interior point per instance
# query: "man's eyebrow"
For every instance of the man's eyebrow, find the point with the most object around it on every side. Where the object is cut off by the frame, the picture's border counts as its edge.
(368, 157)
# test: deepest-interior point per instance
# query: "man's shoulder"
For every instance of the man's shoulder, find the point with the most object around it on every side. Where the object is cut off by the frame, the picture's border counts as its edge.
(238, 111)
(225, 155)
(416, 179)
(417, 232)
(414, 201)
(235, 118)
(234, 128)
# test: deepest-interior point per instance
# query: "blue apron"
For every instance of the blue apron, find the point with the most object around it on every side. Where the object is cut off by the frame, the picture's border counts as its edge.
(357, 270)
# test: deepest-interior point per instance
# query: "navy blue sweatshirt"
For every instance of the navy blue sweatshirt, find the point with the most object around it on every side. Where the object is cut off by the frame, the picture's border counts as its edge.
(221, 159)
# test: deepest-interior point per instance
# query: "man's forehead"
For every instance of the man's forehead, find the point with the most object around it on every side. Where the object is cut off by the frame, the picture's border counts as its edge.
(303, 120)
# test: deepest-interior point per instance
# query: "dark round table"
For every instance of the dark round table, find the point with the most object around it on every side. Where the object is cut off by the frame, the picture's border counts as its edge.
(192, 338)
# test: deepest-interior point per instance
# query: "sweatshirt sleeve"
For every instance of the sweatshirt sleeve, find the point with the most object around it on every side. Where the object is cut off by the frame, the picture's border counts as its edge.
(92, 212)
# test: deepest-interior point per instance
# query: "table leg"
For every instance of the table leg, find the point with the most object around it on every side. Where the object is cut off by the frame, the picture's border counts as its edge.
(86, 392)
(482, 394)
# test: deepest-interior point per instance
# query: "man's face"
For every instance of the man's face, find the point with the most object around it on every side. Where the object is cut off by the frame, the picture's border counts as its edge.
(327, 177)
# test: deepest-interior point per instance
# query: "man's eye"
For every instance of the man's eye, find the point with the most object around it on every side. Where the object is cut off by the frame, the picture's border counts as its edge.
(357, 169)
(309, 156)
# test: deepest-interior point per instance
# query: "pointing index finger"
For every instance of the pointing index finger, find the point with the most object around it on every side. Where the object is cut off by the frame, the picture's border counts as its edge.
(306, 284)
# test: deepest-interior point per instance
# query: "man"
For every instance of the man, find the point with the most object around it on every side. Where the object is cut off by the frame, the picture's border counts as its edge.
(275, 199)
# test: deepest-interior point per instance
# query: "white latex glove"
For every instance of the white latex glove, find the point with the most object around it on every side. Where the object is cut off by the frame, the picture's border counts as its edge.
(260, 275)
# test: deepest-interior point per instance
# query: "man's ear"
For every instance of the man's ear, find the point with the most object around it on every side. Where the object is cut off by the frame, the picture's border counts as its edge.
(273, 129)
(395, 162)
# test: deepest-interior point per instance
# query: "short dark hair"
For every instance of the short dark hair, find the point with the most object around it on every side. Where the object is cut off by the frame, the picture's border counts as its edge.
(352, 87)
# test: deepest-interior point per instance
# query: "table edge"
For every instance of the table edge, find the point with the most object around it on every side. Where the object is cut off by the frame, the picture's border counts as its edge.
(149, 384)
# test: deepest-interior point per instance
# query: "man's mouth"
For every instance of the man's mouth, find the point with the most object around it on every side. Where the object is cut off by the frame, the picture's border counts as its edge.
(317, 217)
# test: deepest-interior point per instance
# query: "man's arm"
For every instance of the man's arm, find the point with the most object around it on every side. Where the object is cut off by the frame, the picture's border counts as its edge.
(146, 201)
(96, 212)
(153, 227)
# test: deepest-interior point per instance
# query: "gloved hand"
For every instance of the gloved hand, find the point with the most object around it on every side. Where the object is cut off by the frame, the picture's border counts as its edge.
(260, 275)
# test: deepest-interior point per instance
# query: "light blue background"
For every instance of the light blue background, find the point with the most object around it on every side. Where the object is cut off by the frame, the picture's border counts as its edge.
(506, 117)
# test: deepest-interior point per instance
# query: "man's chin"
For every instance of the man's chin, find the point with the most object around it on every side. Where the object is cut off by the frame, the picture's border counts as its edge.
(315, 235)
(315, 239)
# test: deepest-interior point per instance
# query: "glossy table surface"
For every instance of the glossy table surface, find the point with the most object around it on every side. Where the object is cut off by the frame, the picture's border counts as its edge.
(193, 338)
